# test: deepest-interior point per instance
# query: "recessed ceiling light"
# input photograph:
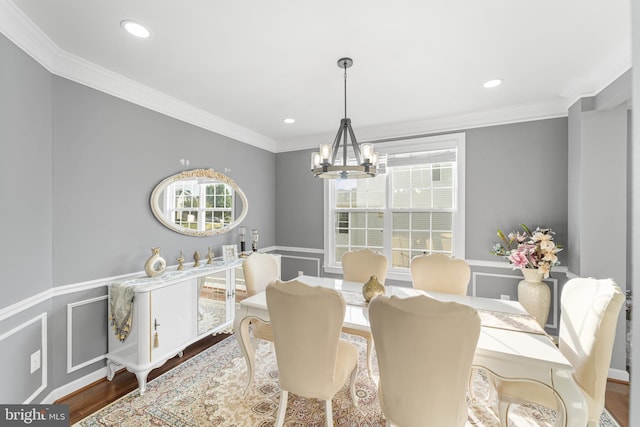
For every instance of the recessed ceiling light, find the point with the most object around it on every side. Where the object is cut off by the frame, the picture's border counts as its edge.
(492, 83)
(289, 120)
(135, 29)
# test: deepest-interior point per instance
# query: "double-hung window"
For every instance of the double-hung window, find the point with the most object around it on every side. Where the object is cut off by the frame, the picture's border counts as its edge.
(415, 206)
(199, 204)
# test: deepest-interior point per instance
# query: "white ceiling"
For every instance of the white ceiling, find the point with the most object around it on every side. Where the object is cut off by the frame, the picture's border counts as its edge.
(239, 67)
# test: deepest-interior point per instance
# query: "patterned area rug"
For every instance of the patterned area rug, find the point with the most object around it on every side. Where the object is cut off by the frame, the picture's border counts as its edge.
(207, 391)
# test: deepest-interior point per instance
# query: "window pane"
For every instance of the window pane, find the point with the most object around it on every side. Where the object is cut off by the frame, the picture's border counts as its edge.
(401, 199)
(444, 173)
(420, 240)
(374, 239)
(401, 221)
(358, 238)
(342, 237)
(400, 240)
(442, 221)
(421, 220)
(358, 220)
(343, 199)
(400, 259)
(376, 199)
(443, 198)
(421, 198)
(442, 242)
(339, 252)
(375, 220)
(421, 176)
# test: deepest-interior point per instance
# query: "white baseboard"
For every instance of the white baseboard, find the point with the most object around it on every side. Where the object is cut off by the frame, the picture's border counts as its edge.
(618, 374)
(75, 385)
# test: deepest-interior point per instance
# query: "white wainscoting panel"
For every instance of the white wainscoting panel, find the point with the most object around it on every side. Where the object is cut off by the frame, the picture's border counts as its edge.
(43, 350)
(70, 307)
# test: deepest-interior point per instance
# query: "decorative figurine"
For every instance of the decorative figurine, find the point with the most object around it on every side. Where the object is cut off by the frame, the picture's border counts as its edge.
(209, 255)
(372, 288)
(180, 260)
(155, 265)
(196, 259)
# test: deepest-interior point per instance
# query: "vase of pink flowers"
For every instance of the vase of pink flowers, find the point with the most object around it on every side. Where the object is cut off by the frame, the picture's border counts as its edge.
(534, 253)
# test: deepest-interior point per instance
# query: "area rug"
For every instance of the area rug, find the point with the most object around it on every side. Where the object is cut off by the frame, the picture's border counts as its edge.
(207, 391)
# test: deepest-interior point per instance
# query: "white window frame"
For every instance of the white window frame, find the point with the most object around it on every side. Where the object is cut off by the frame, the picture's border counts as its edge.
(453, 140)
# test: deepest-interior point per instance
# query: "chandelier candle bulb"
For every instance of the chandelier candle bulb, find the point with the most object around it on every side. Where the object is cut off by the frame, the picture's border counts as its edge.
(367, 153)
(325, 153)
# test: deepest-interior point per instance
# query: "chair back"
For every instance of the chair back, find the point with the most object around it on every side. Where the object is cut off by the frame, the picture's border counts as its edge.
(425, 348)
(440, 273)
(590, 309)
(358, 266)
(259, 270)
(306, 322)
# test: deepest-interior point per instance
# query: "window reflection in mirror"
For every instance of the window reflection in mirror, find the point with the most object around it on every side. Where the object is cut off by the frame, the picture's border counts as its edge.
(200, 202)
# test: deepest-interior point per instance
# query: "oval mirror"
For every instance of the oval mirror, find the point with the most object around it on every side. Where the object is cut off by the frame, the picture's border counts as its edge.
(199, 202)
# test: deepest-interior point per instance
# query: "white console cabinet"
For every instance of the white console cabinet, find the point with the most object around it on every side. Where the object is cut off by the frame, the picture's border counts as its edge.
(172, 311)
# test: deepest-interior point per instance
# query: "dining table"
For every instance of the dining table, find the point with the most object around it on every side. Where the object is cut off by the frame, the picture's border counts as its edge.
(511, 346)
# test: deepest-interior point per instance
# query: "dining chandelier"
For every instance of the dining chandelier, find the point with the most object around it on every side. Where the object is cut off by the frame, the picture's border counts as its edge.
(365, 160)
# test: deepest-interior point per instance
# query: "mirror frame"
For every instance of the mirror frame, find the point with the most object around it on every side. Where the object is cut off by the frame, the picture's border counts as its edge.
(197, 173)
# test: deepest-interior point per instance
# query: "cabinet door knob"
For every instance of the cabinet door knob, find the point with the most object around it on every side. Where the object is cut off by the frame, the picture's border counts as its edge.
(155, 324)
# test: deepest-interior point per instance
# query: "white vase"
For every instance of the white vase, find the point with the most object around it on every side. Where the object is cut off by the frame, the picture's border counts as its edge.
(534, 295)
(155, 265)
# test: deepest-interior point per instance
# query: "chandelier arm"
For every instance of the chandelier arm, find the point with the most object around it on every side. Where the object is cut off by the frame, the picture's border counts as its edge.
(354, 144)
(336, 144)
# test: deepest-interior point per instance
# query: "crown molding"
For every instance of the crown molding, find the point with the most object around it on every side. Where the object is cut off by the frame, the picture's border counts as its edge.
(518, 114)
(18, 28)
(618, 63)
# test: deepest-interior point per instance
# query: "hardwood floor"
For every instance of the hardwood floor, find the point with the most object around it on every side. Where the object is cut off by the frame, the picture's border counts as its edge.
(93, 397)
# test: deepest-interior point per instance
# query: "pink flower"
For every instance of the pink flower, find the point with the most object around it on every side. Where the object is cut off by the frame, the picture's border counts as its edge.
(518, 258)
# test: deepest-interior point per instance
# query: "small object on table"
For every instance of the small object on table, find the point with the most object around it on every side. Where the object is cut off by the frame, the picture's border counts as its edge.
(196, 259)
(254, 240)
(209, 255)
(372, 288)
(242, 231)
(180, 260)
(155, 265)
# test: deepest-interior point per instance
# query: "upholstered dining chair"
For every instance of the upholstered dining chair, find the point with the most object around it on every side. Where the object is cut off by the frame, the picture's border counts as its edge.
(312, 360)
(358, 266)
(424, 373)
(440, 273)
(259, 270)
(590, 309)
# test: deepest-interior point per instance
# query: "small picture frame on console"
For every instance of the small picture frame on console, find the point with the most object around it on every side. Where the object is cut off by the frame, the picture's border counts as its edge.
(229, 252)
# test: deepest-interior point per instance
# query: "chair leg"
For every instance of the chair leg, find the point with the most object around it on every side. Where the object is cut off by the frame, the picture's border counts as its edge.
(352, 385)
(329, 411)
(282, 408)
(503, 410)
(369, 353)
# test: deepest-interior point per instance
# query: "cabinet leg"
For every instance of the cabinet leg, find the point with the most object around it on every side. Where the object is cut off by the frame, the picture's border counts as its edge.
(142, 381)
(111, 367)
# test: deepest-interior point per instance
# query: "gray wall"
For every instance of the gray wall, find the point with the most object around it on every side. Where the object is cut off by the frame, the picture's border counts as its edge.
(108, 156)
(25, 176)
(77, 168)
(515, 174)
